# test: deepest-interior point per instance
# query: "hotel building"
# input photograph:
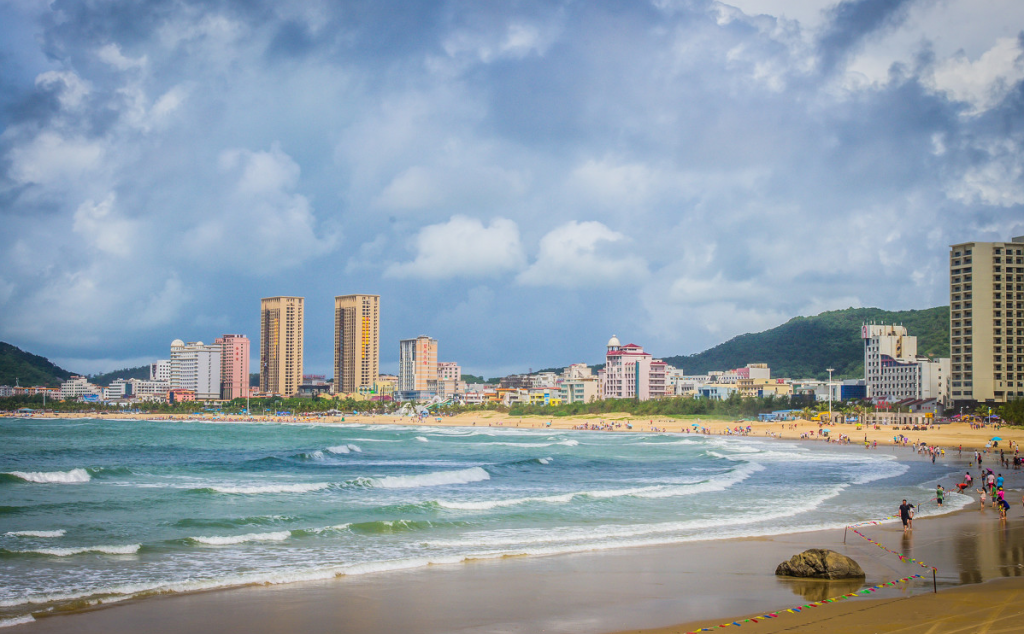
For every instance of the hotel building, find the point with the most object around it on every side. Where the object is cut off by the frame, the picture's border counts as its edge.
(893, 371)
(195, 366)
(417, 365)
(356, 342)
(281, 331)
(629, 372)
(234, 366)
(986, 334)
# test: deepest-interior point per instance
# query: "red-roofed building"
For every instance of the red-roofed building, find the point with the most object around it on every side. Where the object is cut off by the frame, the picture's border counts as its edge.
(629, 372)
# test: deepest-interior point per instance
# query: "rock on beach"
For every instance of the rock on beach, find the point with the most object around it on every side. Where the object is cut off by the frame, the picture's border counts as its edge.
(820, 563)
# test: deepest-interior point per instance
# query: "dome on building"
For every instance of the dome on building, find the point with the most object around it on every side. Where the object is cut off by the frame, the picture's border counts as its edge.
(614, 342)
(177, 343)
(200, 344)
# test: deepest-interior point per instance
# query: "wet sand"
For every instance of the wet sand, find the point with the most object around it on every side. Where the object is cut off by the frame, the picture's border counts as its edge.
(631, 589)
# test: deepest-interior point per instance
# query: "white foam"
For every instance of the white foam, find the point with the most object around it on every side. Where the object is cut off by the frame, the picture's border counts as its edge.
(271, 488)
(20, 620)
(420, 438)
(568, 443)
(241, 539)
(56, 533)
(438, 478)
(484, 505)
(314, 455)
(544, 460)
(343, 449)
(73, 476)
(129, 549)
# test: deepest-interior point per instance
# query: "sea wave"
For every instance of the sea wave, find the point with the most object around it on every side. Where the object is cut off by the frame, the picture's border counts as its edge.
(19, 620)
(343, 449)
(421, 439)
(241, 539)
(437, 478)
(257, 489)
(74, 476)
(128, 549)
(56, 533)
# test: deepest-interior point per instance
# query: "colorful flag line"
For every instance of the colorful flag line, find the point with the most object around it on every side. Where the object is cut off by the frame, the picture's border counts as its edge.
(902, 557)
(773, 615)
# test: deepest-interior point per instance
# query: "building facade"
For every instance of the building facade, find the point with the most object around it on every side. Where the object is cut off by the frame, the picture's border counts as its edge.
(234, 366)
(449, 371)
(417, 364)
(195, 366)
(160, 371)
(894, 371)
(282, 322)
(78, 386)
(356, 342)
(629, 372)
(986, 335)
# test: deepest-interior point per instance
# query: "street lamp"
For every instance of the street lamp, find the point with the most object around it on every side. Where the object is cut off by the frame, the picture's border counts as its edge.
(830, 370)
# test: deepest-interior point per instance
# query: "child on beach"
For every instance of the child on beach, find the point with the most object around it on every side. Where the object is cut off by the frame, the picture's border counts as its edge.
(982, 492)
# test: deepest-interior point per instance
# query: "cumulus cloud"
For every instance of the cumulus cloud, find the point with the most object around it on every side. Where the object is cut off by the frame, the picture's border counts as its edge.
(585, 254)
(259, 213)
(463, 247)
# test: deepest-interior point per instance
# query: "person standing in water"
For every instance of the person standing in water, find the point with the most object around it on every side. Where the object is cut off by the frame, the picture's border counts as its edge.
(939, 494)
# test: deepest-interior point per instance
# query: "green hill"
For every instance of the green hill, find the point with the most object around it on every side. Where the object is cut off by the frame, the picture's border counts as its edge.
(141, 372)
(28, 369)
(804, 347)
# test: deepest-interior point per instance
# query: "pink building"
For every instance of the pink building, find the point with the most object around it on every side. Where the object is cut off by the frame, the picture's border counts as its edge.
(629, 372)
(449, 371)
(234, 366)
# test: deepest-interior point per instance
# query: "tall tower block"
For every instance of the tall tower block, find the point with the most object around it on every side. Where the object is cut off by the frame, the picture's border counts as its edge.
(356, 342)
(281, 326)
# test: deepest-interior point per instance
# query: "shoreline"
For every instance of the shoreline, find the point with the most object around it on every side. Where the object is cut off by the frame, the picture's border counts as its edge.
(501, 574)
(949, 436)
(646, 589)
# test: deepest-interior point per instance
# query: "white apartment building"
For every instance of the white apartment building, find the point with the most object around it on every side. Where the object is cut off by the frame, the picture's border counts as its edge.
(449, 371)
(77, 387)
(893, 371)
(160, 371)
(196, 366)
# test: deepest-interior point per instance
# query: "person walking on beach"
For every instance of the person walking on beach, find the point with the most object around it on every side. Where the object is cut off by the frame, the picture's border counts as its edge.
(906, 515)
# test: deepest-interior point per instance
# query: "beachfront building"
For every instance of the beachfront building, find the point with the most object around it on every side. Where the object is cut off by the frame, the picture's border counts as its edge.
(77, 387)
(760, 388)
(195, 366)
(143, 390)
(160, 370)
(356, 342)
(716, 391)
(986, 336)
(754, 371)
(893, 370)
(282, 321)
(180, 396)
(629, 372)
(417, 367)
(234, 366)
(449, 371)
(580, 390)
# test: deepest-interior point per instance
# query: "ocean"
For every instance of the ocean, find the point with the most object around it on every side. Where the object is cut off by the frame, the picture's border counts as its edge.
(98, 511)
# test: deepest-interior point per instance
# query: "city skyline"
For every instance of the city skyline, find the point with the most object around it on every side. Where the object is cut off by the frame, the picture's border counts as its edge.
(550, 172)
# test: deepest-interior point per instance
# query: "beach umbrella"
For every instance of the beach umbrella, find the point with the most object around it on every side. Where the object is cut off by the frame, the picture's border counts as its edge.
(696, 425)
(996, 438)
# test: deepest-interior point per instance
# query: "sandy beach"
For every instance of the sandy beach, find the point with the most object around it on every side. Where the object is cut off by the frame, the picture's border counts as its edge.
(677, 588)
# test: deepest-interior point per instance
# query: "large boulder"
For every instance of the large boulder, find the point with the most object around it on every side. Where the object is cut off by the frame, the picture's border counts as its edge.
(819, 563)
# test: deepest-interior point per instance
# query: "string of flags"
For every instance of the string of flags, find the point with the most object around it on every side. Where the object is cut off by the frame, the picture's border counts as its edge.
(851, 595)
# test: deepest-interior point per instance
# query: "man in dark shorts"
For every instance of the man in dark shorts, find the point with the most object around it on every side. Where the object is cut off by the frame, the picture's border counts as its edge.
(905, 510)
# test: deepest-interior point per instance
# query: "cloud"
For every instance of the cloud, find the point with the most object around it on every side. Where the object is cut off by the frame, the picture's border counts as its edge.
(53, 159)
(463, 247)
(104, 228)
(984, 82)
(584, 254)
(258, 212)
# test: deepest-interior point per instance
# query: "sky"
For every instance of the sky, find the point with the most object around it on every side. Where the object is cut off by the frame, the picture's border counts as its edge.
(519, 180)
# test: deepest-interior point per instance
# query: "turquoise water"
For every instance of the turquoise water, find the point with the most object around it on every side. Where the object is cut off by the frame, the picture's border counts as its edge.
(94, 510)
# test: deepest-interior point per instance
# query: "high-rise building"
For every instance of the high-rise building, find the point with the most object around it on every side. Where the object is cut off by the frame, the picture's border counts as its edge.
(629, 372)
(281, 331)
(234, 366)
(356, 342)
(195, 366)
(986, 325)
(417, 365)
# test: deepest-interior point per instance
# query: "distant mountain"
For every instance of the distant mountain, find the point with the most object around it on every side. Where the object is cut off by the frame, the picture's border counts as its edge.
(28, 369)
(141, 372)
(804, 347)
